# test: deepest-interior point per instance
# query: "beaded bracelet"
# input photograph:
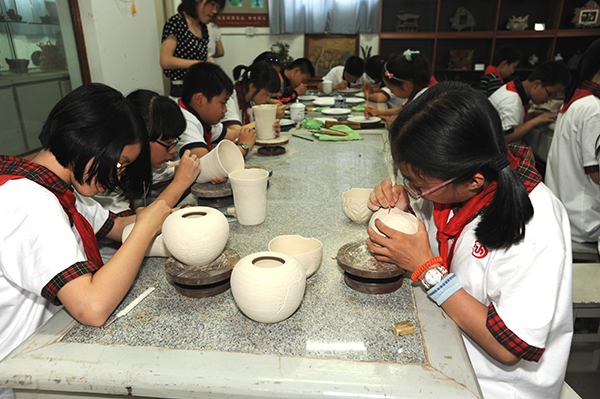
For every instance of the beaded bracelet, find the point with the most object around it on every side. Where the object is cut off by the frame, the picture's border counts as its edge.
(444, 289)
(425, 266)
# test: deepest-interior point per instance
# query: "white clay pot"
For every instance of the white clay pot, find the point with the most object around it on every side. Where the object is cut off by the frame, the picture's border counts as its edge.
(196, 235)
(222, 160)
(396, 219)
(264, 116)
(308, 251)
(355, 204)
(157, 247)
(268, 287)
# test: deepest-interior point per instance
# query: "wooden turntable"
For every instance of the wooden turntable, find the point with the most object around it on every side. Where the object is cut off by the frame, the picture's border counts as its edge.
(364, 273)
(204, 280)
(272, 147)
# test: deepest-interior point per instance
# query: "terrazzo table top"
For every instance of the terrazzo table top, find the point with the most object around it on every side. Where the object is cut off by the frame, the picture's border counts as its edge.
(339, 343)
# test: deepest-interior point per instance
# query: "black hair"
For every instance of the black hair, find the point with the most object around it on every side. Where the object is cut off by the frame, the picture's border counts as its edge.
(268, 56)
(551, 73)
(453, 131)
(416, 69)
(162, 116)
(588, 66)
(304, 64)
(190, 7)
(355, 66)
(95, 122)
(206, 78)
(261, 75)
(374, 67)
(509, 53)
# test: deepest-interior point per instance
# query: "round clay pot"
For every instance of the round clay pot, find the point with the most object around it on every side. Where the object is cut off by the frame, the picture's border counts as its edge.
(157, 248)
(308, 251)
(268, 286)
(354, 204)
(196, 235)
(396, 219)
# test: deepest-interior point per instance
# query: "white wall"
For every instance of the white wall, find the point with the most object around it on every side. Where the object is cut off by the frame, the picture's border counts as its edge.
(122, 47)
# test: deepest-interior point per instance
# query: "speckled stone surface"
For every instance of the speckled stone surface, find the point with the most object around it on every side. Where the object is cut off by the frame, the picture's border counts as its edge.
(333, 321)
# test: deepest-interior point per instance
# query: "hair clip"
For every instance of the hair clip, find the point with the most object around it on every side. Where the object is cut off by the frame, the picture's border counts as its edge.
(408, 54)
(390, 75)
(248, 74)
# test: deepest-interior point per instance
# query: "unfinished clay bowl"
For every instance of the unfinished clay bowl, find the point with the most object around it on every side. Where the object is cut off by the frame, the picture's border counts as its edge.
(268, 287)
(396, 219)
(355, 204)
(195, 235)
(308, 251)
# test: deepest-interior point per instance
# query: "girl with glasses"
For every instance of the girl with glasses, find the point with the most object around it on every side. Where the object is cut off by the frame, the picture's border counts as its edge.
(93, 141)
(493, 247)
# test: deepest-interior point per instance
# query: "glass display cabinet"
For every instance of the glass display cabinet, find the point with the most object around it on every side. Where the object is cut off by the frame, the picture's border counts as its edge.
(33, 70)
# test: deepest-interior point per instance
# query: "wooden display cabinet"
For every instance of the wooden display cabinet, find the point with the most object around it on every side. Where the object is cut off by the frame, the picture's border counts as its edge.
(436, 37)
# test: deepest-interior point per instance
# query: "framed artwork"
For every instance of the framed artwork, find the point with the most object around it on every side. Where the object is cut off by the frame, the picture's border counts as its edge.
(326, 51)
(587, 16)
(460, 60)
(244, 13)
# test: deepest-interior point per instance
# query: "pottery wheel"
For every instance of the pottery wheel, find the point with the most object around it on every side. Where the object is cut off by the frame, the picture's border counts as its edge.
(204, 280)
(364, 273)
(273, 146)
(213, 195)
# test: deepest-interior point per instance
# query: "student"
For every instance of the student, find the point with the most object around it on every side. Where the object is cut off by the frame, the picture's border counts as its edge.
(511, 101)
(185, 39)
(499, 231)
(572, 172)
(407, 75)
(378, 91)
(349, 75)
(206, 93)
(92, 141)
(254, 86)
(295, 77)
(505, 61)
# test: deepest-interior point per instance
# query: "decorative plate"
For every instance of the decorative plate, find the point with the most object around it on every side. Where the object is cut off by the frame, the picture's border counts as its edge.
(286, 122)
(349, 91)
(362, 119)
(324, 102)
(307, 98)
(336, 111)
(354, 100)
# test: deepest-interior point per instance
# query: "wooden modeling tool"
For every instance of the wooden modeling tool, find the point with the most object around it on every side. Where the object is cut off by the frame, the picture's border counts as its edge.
(131, 305)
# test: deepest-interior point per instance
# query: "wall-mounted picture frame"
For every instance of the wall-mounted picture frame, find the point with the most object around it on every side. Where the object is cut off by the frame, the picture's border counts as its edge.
(326, 51)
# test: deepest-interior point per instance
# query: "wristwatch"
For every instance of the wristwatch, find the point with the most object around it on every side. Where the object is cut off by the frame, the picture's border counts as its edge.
(245, 147)
(433, 276)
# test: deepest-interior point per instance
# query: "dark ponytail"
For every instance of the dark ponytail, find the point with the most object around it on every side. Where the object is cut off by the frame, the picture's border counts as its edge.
(260, 74)
(410, 65)
(588, 66)
(452, 131)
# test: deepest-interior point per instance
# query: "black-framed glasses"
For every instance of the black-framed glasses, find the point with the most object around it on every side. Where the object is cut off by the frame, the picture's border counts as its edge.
(169, 147)
(550, 96)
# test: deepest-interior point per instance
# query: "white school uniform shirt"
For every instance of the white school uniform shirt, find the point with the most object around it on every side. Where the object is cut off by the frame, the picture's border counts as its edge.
(37, 242)
(573, 148)
(510, 108)
(393, 101)
(530, 287)
(193, 135)
(336, 73)
(234, 113)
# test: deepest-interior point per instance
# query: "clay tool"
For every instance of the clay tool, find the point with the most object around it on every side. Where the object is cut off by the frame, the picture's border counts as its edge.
(303, 138)
(329, 133)
(367, 96)
(131, 305)
(393, 184)
(335, 130)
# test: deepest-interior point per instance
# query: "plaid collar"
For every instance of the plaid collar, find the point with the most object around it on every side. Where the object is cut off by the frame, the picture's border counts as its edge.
(591, 86)
(523, 162)
(32, 171)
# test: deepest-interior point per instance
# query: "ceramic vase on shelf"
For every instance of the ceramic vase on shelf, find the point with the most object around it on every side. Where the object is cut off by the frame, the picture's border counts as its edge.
(396, 219)
(355, 204)
(268, 287)
(196, 235)
(308, 251)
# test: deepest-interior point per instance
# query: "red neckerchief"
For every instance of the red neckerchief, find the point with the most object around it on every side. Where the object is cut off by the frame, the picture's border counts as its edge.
(586, 88)
(207, 128)
(492, 69)
(510, 86)
(522, 160)
(432, 81)
(12, 168)
(244, 106)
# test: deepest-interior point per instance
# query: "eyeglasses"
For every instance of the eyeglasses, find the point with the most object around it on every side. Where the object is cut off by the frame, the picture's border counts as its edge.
(169, 147)
(414, 195)
(550, 96)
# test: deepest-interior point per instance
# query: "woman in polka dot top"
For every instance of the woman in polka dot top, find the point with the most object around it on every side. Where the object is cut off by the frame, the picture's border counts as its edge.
(185, 39)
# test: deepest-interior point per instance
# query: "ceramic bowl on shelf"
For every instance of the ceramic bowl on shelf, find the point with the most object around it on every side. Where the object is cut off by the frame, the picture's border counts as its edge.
(308, 251)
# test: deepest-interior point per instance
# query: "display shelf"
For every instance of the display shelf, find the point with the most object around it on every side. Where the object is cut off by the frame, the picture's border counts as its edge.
(436, 36)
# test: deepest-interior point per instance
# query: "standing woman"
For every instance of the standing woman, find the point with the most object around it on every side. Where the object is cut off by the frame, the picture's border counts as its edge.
(499, 231)
(185, 39)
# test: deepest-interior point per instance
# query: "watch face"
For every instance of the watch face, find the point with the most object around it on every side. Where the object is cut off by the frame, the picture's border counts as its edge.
(433, 276)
